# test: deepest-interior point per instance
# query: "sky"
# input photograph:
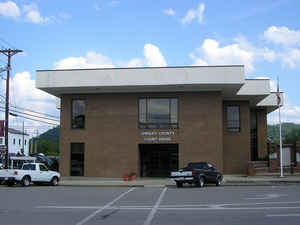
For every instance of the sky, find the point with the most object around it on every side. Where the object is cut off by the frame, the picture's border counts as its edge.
(262, 35)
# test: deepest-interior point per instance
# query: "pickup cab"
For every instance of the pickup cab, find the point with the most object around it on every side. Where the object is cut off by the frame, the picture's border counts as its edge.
(30, 172)
(198, 173)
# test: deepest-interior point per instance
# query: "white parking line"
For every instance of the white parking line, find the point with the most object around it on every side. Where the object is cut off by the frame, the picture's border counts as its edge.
(229, 204)
(216, 205)
(154, 209)
(283, 215)
(104, 207)
(243, 208)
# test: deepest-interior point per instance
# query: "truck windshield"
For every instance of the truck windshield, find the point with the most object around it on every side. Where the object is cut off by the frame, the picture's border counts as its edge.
(29, 167)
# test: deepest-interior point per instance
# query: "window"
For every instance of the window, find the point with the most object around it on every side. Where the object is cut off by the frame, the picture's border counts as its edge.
(158, 113)
(78, 114)
(29, 167)
(233, 118)
(77, 159)
(19, 141)
(25, 142)
(14, 141)
(43, 168)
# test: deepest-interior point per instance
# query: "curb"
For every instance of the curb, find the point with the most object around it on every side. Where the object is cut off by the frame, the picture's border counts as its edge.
(232, 184)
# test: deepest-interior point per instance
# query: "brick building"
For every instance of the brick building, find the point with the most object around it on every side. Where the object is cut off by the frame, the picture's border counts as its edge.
(150, 121)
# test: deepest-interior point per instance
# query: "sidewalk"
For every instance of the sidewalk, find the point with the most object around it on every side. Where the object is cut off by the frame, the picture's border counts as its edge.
(229, 180)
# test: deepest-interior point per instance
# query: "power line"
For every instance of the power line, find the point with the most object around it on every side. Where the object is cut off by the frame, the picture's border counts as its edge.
(31, 118)
(40, 117)
(7, 43)
(20, 108)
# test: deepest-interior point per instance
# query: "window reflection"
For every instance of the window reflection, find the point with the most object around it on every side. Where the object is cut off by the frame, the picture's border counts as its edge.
(158, 113)
(78, 114)
(233, 118)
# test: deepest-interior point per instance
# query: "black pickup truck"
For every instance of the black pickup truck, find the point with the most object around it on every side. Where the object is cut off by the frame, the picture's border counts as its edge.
(198, 173)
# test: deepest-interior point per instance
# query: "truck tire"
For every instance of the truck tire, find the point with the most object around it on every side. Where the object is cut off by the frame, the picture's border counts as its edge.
(179, 184)
(54, 181)
(200, 182)
(26, 181)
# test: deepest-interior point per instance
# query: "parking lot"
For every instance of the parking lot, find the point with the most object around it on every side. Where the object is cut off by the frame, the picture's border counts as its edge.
(150, 205)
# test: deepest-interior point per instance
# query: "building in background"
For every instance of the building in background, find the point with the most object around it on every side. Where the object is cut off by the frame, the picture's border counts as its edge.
(150, 121)
(18, 142)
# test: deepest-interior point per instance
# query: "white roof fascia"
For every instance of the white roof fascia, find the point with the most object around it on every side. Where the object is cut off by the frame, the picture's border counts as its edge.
(55, 81)
(255, 87)
(271, 100)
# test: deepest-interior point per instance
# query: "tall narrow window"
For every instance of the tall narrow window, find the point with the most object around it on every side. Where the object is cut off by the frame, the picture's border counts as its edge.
(158, 113)
(233, 118)
(78, 114)
(77, 159)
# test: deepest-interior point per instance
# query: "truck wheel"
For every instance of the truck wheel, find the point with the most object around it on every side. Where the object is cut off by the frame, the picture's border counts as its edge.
(200, 182)
(26, 181)
(179, 184)
(54, 181)
(218, 181)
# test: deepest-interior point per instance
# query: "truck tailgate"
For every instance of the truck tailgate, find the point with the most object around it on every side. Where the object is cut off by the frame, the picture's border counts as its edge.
(181, 174)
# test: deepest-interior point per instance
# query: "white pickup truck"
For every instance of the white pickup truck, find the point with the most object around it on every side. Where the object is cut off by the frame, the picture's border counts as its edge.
(30, 172)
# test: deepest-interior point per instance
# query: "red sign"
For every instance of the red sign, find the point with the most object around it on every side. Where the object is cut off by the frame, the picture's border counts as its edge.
(1, 128)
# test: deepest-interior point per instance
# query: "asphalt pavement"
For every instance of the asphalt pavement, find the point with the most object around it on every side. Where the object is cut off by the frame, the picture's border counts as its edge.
(240, 205)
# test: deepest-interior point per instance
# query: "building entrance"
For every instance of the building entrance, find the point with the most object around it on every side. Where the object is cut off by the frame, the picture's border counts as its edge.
(158, 160)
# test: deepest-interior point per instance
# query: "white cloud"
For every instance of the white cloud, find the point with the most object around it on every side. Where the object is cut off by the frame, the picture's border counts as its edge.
(282, 36)
(91, 60)
(291, 58)
(259, 53)
(288, 41)
(9, 9)
(29, 13)
(33, 15)
(194, 14)
(210, 53)
(23, 94)
(169, 12)
(136, 62)
(153, 56)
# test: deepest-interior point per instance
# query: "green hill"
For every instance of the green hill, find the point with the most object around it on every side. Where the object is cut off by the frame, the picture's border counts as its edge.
(51, 135)
(48, 142)
(286, 129)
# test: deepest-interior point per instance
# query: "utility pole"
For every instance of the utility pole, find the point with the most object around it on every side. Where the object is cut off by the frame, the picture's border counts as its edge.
(23, 139)
(9, 53)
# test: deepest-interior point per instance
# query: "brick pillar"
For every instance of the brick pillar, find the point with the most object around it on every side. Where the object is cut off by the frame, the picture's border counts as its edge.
(251, 169)
(273, 157)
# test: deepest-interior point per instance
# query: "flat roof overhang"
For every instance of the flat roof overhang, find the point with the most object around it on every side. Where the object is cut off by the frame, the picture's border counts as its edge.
(227, 79)
(270, 102)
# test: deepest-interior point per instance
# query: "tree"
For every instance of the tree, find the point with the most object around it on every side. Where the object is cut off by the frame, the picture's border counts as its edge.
(48, 147)
(292, 137)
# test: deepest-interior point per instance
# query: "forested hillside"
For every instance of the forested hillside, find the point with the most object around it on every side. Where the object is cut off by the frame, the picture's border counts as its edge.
(290, 132)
